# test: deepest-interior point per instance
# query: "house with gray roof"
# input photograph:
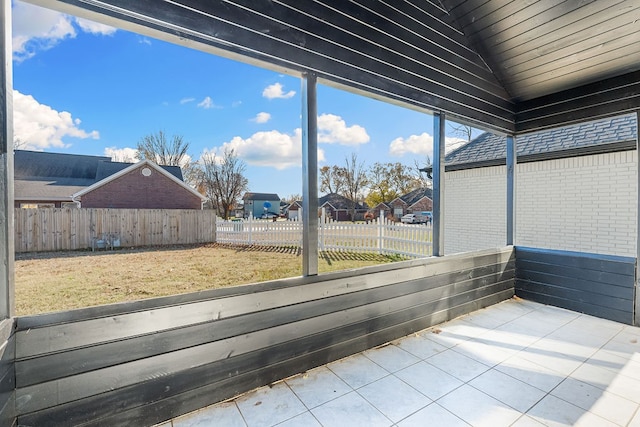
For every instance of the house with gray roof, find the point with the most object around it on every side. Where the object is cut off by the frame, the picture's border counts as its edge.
(257, 204)
(73, 180)
(341, 208)
(567, 179)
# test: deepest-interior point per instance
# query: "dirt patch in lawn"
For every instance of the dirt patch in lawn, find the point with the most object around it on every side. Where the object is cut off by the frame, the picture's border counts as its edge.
(47, 282)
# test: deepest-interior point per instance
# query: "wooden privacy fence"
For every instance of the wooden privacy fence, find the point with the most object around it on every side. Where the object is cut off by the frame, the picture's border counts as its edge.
(71, 229)
(381, 236)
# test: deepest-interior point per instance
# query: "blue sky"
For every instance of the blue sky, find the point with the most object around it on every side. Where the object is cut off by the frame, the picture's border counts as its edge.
(85, 88)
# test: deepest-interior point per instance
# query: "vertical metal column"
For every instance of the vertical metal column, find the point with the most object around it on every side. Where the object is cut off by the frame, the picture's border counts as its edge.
(511, 188)
(309, 175)
(438, 183)
(636, 308)
(6, 164)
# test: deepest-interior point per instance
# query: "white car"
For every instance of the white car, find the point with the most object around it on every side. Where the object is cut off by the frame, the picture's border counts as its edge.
(409, 219)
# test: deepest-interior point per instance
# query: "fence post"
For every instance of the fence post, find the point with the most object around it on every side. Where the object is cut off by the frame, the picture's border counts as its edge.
(381, 232)
(250, 229)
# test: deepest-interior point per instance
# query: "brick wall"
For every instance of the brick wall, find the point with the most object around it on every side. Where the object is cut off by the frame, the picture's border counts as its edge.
(585, 204)
(424, 204)
(475, 213)
(134, 190)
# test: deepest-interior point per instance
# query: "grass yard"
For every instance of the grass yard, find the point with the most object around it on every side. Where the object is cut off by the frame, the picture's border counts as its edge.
(47, 282)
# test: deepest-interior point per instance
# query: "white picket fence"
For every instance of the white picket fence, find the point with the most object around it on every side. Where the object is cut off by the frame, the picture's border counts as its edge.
(381, 236)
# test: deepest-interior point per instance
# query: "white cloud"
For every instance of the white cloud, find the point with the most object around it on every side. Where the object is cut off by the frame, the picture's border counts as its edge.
(188, 100)
(125, 155)
(37, 126)
(421, 144)
(94, 27)
(262, 117)
(207, 103)
(275, 91)
(36, 28)
(332, 129)
(272, 148)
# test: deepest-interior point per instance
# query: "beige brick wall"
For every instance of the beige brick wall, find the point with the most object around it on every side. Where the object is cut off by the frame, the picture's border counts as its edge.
(585, 204)
(475, 215)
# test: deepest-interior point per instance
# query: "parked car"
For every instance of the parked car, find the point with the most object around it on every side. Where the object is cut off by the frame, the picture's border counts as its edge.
(417, 218)
(269, 215)
(409, 219)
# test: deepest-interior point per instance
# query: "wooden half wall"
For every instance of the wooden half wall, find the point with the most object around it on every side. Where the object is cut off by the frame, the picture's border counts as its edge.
(599, 285)
(7, 373)
(145, 362)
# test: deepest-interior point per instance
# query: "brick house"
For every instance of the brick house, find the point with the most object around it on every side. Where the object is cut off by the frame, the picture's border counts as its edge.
(143, 185)
(417, 200)
(339, 207)
(44, 180)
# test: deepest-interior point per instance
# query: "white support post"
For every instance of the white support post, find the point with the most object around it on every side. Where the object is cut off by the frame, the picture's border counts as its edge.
(7, 303)
(309, 175)
(439, 120)
(512, 161)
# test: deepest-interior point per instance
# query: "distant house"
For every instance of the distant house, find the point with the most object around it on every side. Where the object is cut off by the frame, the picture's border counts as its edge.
(417, 200)
(256, 204)
(374, 212)
(293, 210)
(70, 180)
(340, 208)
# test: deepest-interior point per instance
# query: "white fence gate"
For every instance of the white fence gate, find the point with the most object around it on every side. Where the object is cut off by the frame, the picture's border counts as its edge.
(381, 236)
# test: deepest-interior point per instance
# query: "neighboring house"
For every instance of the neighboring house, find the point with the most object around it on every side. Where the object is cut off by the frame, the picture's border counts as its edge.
(374, 213)
(293, 210)
(568, 179)
(256, 204)
(417, 200)
(70, 180)
(340, 208)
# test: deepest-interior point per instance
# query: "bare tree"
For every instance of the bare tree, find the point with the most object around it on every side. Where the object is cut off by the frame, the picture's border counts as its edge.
(354, 179)
(170, 152)
(422, 178)
(462, 131)
(223, 180)
(159, 149)
(331, 179)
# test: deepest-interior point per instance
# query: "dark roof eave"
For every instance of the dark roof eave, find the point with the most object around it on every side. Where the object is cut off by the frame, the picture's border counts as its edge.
(613, 147)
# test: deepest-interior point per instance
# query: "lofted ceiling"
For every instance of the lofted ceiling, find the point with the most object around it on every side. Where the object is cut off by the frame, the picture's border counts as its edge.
(537, 48)
(512, 66)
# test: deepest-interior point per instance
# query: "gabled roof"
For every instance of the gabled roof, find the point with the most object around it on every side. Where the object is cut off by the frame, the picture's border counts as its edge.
(260, 196)
(618, 133)
(131, 167)
(37, 164)
(338, 202)
(46, 176)
(414, 196)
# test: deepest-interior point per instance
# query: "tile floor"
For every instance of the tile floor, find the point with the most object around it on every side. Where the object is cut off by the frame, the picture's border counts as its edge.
(516, 363)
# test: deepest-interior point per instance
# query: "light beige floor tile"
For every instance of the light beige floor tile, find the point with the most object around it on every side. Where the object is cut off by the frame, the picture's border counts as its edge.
(477, 408)
(318, 386)
(268, 406)
(350, 410)
(508, 390)
(394, 398)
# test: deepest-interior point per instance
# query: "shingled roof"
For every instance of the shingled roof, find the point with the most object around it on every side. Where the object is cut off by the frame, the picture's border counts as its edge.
(616, 134)
(56, 176)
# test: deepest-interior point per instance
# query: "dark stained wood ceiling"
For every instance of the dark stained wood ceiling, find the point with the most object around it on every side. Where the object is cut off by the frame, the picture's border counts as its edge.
(536, 48)
(510, 65)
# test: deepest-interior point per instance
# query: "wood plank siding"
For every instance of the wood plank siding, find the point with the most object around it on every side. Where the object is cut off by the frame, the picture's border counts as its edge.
(133, 365)
(599, 285)
(407, 52)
